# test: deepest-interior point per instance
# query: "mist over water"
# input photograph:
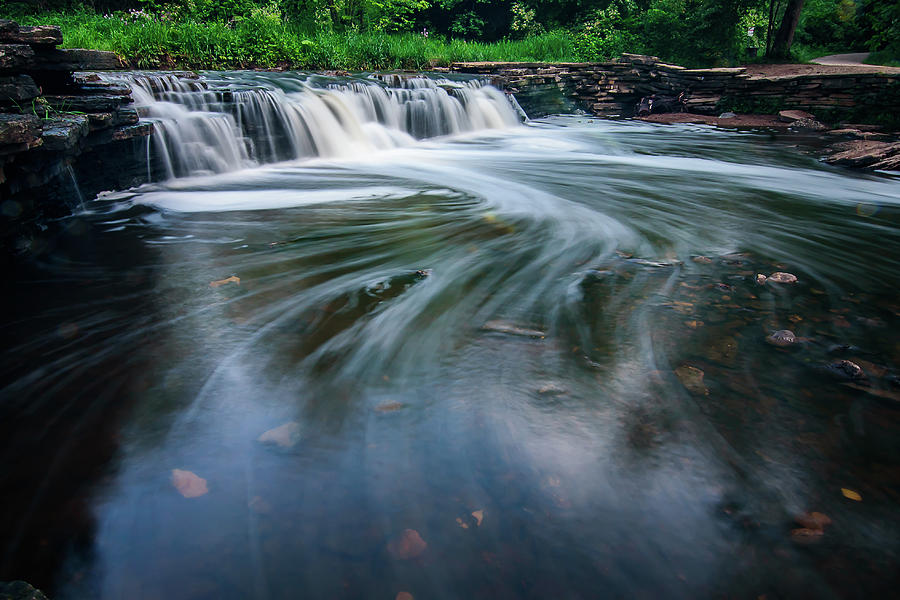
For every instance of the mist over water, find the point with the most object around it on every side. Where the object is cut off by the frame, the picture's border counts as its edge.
(541, 346)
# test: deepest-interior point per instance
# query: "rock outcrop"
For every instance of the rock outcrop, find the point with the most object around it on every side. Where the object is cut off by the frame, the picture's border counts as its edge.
(56, 121)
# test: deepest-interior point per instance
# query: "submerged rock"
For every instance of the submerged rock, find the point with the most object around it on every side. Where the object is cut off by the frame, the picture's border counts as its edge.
(189, 484)
(783, 338)
(692, 379)
(20, 590)
(408, 544)
(780, 277)
(845, 369)
(511, 329)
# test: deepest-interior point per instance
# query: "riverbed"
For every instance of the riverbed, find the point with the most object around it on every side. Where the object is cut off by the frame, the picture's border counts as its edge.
(486, 359)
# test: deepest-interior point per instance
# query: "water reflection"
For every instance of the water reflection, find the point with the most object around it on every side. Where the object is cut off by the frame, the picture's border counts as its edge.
(619, 429)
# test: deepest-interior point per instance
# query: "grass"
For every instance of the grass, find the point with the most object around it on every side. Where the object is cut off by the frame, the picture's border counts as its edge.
(883, 58)
(265, 42)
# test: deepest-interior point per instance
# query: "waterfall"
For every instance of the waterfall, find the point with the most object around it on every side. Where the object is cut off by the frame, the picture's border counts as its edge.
(222, 122)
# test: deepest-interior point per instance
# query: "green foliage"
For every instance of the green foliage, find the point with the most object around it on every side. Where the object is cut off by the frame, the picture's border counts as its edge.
(608, 34)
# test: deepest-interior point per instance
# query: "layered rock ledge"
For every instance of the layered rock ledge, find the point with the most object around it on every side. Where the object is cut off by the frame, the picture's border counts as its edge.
(56, 122)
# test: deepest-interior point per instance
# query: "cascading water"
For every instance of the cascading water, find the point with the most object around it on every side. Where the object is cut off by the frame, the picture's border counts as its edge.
(236, 120)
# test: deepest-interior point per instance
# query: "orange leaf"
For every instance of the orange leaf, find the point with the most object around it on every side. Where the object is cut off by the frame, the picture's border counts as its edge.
(232, 279)
(851, 494)
(479, 517)
(189, 484)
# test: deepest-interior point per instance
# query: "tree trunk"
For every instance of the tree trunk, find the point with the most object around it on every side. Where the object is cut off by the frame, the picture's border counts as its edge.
(785, 34)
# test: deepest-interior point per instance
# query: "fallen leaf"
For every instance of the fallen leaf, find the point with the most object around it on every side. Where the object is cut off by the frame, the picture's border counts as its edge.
(188, 483)
(286, 435)
(408, 544)
(692, 379)
(403, 596)
(389, 407)
(813, 520)
(702, 259)
(760, 279)
(694, 324)
(220, 282)
(461, 524)
(806, 535)
(551, 389)
(479, 517)
(848, 493)
(259, 506)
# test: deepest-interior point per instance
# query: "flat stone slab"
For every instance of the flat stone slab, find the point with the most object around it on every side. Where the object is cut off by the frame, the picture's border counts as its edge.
(19, 129)
(74, 60)
(15, 57)
(89, 104)
(884, 156)
(43, 35)
(789, 116)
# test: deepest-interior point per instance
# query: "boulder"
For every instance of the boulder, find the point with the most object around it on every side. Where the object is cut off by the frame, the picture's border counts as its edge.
(867, 155)
(19, 129)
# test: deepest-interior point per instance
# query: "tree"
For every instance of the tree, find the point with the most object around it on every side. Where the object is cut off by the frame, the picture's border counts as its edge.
(784, 37)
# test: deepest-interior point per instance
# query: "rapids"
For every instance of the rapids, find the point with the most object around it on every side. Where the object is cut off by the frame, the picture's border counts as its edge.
(540, 345)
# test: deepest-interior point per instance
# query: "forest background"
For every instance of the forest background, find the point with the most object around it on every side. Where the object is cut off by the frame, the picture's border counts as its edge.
(421, 34)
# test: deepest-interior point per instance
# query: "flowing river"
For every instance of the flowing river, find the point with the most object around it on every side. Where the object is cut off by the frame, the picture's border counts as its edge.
(365, 336)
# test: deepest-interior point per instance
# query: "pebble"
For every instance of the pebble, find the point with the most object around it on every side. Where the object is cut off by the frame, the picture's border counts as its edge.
(783, 338)
(780, 277)
(846, 369)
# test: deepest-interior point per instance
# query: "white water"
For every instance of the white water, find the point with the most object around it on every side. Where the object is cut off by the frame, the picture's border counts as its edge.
(241, 120)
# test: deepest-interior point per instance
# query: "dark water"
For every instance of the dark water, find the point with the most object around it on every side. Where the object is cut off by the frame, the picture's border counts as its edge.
(543, 369)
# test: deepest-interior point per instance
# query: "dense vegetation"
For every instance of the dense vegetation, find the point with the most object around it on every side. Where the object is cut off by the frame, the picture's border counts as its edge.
(417, 34)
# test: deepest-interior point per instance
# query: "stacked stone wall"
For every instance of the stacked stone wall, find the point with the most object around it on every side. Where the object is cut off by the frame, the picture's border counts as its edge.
(613, 88)
(55, 121)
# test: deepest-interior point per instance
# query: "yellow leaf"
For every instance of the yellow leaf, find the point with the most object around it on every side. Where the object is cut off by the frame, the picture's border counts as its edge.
(851, 494)
(220, 282)
(188, 483)
(479, 517)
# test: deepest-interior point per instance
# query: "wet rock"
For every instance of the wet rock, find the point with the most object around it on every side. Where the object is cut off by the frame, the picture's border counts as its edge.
(189, 484)
(19, 129)
(847, 370)
(20, 590)
(407, 545)
(87, 104)
(388, 407)
(783, 338)
(511, 329)
(692, 379)
(285, 436)
(727, 115)
(780, 277)
(703, 260)
(17, 91)
(65, 133)
(866, 154)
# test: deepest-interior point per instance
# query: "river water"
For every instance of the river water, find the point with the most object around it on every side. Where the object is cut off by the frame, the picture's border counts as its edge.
(500, 359)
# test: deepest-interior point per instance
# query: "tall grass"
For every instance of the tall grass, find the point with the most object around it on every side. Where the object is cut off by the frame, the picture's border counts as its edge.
(265, 42)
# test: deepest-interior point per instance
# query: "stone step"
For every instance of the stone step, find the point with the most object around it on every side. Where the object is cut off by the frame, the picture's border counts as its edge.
(19, 129)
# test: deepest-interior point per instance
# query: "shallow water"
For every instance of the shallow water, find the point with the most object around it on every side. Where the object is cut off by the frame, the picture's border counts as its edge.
(541, 368)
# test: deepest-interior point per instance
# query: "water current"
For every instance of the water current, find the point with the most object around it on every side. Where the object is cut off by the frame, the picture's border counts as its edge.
(375, 335)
